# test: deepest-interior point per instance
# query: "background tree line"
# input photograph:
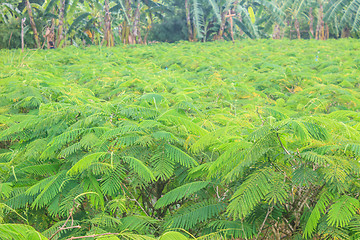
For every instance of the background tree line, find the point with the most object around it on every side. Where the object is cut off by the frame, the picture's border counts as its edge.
(110, 22)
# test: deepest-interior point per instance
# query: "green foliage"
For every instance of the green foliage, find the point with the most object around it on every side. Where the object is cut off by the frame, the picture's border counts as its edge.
(250, 193)
(180, 192)
(172, 236)
(19, 232)
(188, 216)
(188, 140)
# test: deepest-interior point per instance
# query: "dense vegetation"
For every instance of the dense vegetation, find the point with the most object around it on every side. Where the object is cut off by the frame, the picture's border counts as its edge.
(115, 22)
(252, 140)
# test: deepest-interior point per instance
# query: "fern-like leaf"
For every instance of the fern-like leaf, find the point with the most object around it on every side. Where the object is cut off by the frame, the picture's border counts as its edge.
(181, 192)
(315, 215)
(179, 156)
(140, 168)
(173, 236)
(50, 190)
(250, 193)
(187, 217)
(19, 232)
(85, 162)
(112, 181)
(343, 210)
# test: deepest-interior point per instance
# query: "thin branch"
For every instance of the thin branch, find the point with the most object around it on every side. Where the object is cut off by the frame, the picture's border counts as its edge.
(262, 120)
(242, 227)
(266, 217)
(63, 227)
(134, 199)
(288, 224)
(282, 145)
(94, 235)
(217, 192)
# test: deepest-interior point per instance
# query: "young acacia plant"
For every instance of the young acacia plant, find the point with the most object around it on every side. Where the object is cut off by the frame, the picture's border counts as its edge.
(251, 140)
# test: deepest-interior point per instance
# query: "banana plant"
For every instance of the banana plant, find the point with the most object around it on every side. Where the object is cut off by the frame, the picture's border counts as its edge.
(8, 10)
(344, 16)
(221, 16)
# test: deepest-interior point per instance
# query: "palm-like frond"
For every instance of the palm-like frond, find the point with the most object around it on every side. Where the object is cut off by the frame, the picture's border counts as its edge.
(334, 9)
(5, 190)
(216, 10)
(351, 16)
(250, 26)
(277, 12)
(198, 18)
(190, 126)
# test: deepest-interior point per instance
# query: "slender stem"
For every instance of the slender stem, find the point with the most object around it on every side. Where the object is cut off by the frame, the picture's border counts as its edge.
(262, 120)
(242, 227)
(66, 221)
(282, 145)
(134, 199)
(94, 235)
(266, 217)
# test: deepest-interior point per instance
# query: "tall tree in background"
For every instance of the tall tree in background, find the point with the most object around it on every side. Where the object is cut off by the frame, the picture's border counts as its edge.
(108, 35)
(32, 23)
(188, 20)
(60, 35)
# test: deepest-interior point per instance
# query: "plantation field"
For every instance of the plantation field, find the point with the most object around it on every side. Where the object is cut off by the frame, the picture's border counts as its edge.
(246, 140)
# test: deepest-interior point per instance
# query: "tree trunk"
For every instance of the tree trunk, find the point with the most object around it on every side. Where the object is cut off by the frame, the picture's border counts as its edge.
(109, 38)
(32, 23)
(297, 27)
(327, 31)
(276, 32)
(345, 33)
(61, 23)
(136, 31)
(290, 30)
(126, 33)
(120, 27)
(22, 33)
(129, 30)
(311, 23)
(52, 29)
(320, 30)
(222, 25)
(148, 28)
(188, 21)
